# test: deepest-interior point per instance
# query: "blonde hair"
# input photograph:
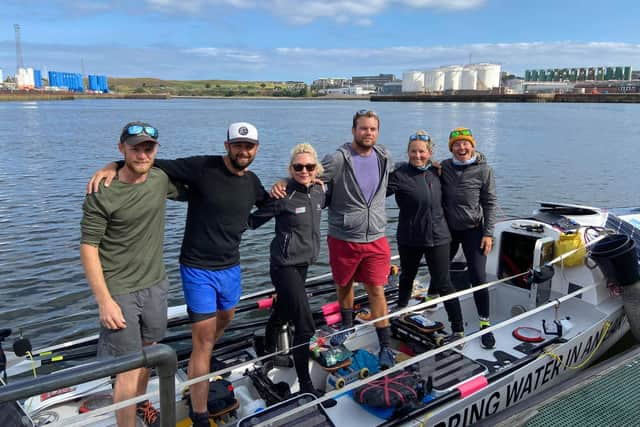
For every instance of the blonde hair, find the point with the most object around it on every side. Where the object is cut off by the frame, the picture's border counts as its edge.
(305, 148)
(420, 132)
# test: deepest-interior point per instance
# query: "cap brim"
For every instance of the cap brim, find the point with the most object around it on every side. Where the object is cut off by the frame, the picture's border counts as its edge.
(138, 139)
(252, 141)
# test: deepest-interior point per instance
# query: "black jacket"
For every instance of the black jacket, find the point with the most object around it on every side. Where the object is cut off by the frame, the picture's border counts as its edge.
(419, 196)
(297, 239)
(470, 195)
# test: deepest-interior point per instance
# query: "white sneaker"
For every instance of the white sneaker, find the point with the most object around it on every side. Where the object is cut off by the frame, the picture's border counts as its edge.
(433, 307)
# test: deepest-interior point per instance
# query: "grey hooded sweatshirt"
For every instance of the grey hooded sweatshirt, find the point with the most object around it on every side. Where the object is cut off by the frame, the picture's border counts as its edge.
(351, 217)
(469, 194)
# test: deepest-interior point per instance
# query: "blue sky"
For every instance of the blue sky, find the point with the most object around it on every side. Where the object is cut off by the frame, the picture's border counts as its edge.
(308, 39)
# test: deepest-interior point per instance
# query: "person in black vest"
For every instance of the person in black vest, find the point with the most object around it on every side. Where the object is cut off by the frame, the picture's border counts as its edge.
(422, 228)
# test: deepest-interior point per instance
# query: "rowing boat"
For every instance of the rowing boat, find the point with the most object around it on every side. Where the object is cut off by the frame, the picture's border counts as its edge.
(558, 281)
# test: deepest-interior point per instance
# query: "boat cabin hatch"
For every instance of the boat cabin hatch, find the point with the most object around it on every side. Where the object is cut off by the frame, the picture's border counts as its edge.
(518, 254)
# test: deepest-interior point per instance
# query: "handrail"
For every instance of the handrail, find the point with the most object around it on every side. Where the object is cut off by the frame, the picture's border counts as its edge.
(160, 356)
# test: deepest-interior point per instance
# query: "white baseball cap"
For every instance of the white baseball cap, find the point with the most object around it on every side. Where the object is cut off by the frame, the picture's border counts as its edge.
(242, 132)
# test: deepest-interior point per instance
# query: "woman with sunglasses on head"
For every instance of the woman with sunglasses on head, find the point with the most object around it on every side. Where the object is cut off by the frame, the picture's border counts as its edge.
(422, 230)
(295, 246)
(470, 204)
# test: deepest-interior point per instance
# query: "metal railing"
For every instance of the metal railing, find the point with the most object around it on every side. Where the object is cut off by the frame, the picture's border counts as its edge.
(159, 356)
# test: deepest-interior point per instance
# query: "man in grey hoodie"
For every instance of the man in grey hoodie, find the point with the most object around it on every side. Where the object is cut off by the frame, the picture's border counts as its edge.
(357, 174)
(470, 203)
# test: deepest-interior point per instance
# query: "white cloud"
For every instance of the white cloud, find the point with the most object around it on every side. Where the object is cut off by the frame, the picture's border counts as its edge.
(302, 12)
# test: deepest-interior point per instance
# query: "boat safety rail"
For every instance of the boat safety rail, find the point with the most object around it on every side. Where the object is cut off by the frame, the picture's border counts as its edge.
(413, 308)
(159, 356)
(422, 356)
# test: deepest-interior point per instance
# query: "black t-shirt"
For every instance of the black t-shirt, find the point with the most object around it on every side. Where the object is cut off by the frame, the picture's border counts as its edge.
(219, 205)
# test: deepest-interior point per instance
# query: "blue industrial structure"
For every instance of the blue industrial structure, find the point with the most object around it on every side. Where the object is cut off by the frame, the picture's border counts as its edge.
(72, 81)
(98, 83)
(37, 79)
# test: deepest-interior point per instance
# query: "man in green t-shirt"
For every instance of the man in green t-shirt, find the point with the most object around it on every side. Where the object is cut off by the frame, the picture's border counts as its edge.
(121, 251)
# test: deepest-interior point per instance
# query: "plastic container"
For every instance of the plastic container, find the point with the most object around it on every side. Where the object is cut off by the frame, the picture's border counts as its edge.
(248, 404)
(617, 258)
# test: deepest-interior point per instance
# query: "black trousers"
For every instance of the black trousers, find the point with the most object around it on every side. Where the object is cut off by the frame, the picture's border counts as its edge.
(437, 258)
(476, 263)
(292, 305)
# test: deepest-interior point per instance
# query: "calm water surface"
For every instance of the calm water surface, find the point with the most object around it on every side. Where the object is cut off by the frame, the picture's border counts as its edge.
(580, 153)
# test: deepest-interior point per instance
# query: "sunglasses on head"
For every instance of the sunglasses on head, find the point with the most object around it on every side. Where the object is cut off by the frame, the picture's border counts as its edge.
(462, 132)
(421, 137)
(365, 112)
(135, 130)
(299, 166)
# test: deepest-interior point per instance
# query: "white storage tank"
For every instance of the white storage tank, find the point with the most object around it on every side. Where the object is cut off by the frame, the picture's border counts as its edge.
(488, 76)
(452, 76)
(438, 80)
(1, 77)
(413, 81)
(469, 78)
(434, 80)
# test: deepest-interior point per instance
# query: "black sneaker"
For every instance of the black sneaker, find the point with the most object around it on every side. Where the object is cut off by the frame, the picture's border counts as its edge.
(309, 388)
(386, 358)
(488, 341)
(456, 336)
(199, 419)
(149, 415)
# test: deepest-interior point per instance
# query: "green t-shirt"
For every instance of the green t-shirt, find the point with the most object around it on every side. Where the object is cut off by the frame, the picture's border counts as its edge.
(126, 223)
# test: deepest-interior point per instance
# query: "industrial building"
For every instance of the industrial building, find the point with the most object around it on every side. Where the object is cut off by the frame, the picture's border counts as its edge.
(452, 78)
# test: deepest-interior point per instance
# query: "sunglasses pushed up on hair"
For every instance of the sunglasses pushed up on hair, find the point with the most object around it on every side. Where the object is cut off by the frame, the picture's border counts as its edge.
(365, 112)
(462, 132)
(310, 167)
(421, 137)
(135, 130)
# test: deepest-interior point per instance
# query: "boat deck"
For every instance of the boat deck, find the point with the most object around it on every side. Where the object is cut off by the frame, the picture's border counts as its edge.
(603, 395)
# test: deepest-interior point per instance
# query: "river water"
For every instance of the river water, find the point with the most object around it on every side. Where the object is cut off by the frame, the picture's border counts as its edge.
(579, 153)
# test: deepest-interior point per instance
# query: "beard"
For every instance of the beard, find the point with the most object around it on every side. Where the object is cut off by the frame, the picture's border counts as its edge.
(361, 142)
(237, 165)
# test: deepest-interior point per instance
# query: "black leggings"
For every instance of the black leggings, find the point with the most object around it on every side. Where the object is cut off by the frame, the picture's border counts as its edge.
(476, 263)
(292, 305)
(437, 258)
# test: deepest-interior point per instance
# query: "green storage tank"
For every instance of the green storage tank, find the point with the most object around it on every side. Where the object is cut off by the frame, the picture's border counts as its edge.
(549, 75)
(573, 74)
(535, 76)
(527, 75)
(609, 73)
(627, 73)
(591, 73)
(619, 73)
(600, 73)
(582, 74)
(542, 75)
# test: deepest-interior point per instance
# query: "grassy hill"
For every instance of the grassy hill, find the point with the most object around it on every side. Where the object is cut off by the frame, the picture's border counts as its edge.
(206, 87)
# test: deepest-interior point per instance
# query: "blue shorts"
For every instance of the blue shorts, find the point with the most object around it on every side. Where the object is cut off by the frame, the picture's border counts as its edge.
(207, 291)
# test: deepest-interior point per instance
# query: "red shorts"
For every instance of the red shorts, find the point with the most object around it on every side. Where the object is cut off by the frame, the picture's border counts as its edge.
(368, 263)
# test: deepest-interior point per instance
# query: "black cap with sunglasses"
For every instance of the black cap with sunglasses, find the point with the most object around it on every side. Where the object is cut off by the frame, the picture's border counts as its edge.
(135, 133)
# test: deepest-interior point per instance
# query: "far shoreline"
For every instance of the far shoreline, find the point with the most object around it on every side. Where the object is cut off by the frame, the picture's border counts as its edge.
(631, 98)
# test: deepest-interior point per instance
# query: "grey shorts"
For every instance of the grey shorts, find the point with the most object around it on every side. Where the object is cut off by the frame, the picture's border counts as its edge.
(146, 314)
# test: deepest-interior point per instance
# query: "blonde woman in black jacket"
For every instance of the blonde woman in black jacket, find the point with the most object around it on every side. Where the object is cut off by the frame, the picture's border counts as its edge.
(295, 246)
